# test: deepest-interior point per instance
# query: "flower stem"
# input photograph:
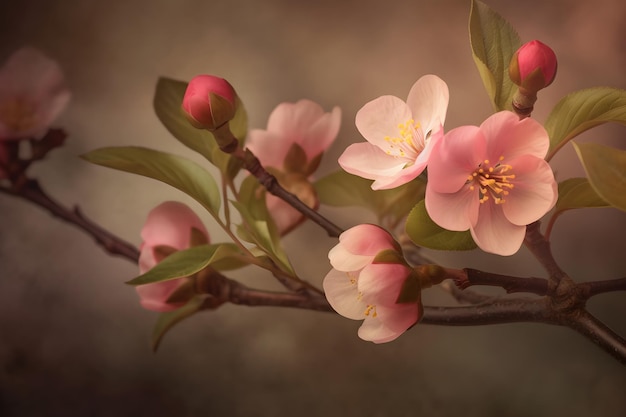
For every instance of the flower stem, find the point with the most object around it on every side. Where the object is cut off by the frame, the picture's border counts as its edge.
(229, 144)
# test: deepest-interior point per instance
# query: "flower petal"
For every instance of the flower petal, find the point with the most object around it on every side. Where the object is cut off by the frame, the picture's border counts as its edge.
(284, 215)
(494, 233)
(369, 161)
(321, 134)
(270, 147)
(293, 120)
(147, 260)
(428, 101)
(374, 330)
(398, 317)
(535, 191)
(380, 284)
(453, 211)
(454, 158)
(343, 296)
(32, 74)
(343, 260)
(507, 136)
(380, 118)
(170, 224)
(366, 239)
(154, 296)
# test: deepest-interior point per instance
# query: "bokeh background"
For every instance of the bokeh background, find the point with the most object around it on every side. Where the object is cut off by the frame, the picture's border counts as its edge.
(75, 342)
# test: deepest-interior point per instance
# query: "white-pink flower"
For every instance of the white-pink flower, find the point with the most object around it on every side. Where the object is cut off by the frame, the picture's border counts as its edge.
(491, 180)
(399, 135)
(168, 227)
(303, 124)
(32, 94)
(359, 289)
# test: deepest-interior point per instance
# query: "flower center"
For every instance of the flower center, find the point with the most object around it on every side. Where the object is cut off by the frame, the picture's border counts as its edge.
(371, 309)
(409, 142)
(17, 114)
(493, 181)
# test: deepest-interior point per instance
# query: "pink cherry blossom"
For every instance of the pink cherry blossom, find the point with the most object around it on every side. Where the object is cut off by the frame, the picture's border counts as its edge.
(169, 224)
(32, 94)
(306, 125)
(399, 135)
(359, 289)
(491, 180)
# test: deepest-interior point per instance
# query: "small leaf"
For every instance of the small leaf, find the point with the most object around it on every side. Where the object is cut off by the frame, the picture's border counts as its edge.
(167, 102)
(582, 110)
(493, 41)
(168, 320)
(180, 173)
(389, 256)
(606, 169)
(185, 263)
(426, 233)
(575, 193)
(411, 291)
(341, 189)
(258, 226)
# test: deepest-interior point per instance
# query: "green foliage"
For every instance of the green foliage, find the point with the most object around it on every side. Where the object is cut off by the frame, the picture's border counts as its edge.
(493, 41)
(181, 173)
(411, 292)
(167, 102)
(341, 189)
(185, 263)
(258, 226)
(575, 193)
(389, 256)
(606, 169)
(168, 320)
(426, 233)
(582, 110)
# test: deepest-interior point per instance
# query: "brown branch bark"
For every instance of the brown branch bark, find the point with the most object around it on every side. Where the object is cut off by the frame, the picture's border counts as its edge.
(563, 303)
(540, 248)
(228, 143)
(31, 191)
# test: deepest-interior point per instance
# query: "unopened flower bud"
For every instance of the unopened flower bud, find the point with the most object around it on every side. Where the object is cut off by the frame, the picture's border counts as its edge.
(209, 102)
(533, 66)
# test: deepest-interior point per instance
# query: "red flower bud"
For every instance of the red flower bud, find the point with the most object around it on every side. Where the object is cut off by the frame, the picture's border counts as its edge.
(533, 66)
(209, 102)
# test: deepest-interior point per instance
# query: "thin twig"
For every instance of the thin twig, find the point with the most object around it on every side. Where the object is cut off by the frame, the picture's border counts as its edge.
(540, 248)
(589, 289)
(599, 333)
(32, 191)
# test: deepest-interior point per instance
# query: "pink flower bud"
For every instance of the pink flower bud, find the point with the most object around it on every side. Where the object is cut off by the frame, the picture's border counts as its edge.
(209, 102)
(533, 66)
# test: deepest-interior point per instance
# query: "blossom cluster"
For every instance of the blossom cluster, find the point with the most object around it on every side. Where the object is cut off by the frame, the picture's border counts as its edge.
(490, 179)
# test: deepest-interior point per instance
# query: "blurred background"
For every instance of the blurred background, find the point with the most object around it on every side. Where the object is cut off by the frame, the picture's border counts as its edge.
(74, 340)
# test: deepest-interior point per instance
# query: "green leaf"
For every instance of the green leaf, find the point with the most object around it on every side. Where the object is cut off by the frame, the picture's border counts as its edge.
(606, 169)
(341, 189)
(493, 41)
(180, 173)
(582, 110)
(168, 320)
(389, 256)
(185, 263)
(258, 226)
(424, 232)
(411, 292)
(575, 193)
(167, 102)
